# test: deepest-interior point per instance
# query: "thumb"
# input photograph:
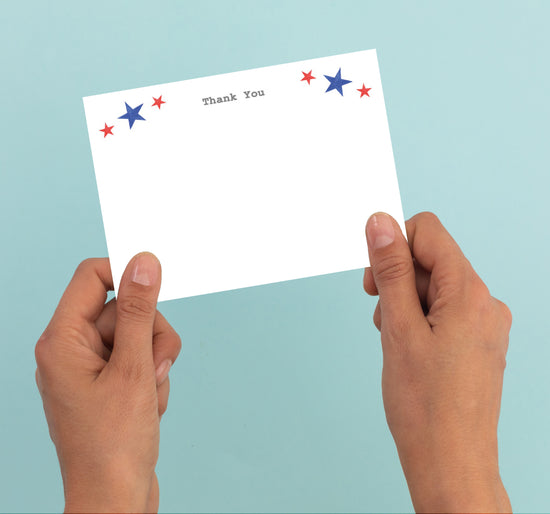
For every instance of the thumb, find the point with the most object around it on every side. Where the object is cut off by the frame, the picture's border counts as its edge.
(393, 271)
(135, 314)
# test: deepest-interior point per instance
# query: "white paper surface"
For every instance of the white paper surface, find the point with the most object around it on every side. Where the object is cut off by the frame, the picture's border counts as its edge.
(247, 191)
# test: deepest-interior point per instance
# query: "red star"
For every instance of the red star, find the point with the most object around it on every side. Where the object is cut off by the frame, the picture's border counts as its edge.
(307, 76)
(107, 130)
(158, 101)
(364, 91)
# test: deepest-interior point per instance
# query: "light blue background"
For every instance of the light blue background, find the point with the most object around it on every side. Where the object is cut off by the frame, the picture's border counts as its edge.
(276, 402)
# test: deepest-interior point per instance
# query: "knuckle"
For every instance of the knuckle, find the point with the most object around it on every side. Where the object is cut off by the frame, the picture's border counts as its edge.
(496, 351)
(428, 218)
(177, 339)
(476, 292)
(392, 268)
(42, 350)
(38, 381)
(377, 319)
(85, 265)
(135, 307)
(507, 315)
(504, 313)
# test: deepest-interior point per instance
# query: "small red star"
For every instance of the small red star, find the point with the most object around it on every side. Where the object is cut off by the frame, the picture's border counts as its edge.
(307, 76)
(364, 91)
(158, 101)
(107, 130)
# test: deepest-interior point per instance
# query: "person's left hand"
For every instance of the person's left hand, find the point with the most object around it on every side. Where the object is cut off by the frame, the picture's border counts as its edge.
(102, 374)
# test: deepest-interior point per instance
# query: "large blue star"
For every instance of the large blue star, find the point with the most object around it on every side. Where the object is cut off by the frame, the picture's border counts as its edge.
(132, 114)
(337, 82)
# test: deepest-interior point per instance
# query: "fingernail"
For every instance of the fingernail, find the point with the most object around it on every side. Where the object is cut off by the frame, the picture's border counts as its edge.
(380, 231)
(162, 371)
(146, 269)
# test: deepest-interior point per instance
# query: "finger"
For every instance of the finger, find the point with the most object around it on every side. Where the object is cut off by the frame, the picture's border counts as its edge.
(86, 293)
(105, 323)
(163, 391)
(161, 371)
(422, 283)
(135, 314)
(38, 379)
(377, 317)
(368, 283)
(166, 341)
(422, 288)
(437, 252)
(422, 279)
(431, 244)
(394, 276)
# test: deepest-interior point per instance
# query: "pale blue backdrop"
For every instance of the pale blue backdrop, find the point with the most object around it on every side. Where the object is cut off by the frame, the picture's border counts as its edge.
(275, 402)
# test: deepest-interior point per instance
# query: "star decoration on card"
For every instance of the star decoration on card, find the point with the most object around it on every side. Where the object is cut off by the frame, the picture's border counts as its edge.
(107, 130)
(132, 114)
(364, 91)
(158, 101)
(337, 82)
(307, 76)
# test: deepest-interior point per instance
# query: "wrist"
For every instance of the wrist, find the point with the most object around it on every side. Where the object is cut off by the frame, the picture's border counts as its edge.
(464, 491)
(456, 482)
(113, 490)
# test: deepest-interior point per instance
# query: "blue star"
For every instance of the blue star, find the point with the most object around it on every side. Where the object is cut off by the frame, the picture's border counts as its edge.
(337, 82)
(132, 114)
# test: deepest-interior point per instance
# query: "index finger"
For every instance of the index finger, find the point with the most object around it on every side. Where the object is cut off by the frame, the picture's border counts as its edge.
(450, 272)
(430, 243)
(84, 297)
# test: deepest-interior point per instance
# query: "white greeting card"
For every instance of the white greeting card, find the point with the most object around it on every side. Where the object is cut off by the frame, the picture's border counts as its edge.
(245, 178)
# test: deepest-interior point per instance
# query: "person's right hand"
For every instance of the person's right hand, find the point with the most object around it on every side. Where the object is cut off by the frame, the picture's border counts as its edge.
(444, 342)
(102, 372)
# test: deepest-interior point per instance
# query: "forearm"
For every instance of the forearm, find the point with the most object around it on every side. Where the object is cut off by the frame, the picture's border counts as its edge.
(455, 483)
(459, 494)
(102, 492)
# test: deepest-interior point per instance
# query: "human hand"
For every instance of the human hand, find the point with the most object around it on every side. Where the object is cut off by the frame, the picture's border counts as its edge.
(444, 342)
(102, 374)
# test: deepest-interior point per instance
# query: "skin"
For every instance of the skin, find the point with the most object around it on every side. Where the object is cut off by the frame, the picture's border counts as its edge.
(444, 340)
(100, 374)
